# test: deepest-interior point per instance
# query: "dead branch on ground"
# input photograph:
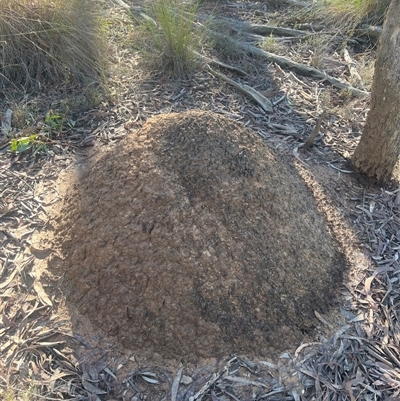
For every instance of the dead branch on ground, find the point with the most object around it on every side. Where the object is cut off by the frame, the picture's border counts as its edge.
(301, 69)
(219, 63)
(260, 29)
(247, 90)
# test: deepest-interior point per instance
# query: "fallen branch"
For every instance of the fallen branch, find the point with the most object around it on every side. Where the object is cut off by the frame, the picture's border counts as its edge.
(266, 30)
(301, 69)
(373, 32)
(219, 63)
(256, 6)
(247, 90)
(310, 26)
(291, 65)
(303, 31)
(263, 30)
(297, 3)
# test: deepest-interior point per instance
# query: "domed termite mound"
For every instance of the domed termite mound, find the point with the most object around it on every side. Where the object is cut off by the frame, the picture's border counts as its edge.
(192, 238)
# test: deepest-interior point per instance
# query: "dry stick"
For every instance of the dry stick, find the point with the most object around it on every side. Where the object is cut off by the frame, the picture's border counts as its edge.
(259, 32)
(205, 388)
(373, 32)
(219, 63)
(175, 385)
(248, 90)
(297, 3)
(351, 65)
(252, 6)
(315, 132)
(266, 30)
(271, 393)
(260, 38)
(259, 29)
(301, 69)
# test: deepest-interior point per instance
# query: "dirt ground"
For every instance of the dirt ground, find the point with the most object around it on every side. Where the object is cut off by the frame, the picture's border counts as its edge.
(180, 244)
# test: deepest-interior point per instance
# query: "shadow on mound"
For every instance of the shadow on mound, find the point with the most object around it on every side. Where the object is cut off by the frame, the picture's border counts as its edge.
(193, 239)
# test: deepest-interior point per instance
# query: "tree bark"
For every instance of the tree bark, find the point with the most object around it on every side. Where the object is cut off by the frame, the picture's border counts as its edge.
(378, 151)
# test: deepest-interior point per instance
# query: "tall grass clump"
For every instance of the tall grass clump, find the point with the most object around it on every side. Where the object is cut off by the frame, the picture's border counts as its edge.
(171, 29)
(49, 42)
(351, 13)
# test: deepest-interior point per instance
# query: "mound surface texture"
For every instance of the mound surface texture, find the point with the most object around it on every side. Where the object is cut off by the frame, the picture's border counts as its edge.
(193, 239)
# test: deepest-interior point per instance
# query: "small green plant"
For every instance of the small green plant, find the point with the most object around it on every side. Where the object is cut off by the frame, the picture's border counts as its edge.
(54, 121)
(36, 143)
(171, 29)
(57, 122)
(23, 144)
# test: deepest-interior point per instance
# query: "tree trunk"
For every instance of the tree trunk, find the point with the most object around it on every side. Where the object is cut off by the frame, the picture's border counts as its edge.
(379, 149)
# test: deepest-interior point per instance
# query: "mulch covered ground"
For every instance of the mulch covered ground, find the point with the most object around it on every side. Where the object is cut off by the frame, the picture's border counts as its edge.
(354, 355)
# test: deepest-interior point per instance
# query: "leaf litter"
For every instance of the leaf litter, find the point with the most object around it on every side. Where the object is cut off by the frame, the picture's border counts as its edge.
(361, 361)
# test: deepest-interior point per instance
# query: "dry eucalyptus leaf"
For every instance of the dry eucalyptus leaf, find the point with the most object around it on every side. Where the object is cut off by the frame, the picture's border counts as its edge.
(89, 386)
(41, 293)
(175, 385)
(150, 377)
(40, 253)
(186, 380)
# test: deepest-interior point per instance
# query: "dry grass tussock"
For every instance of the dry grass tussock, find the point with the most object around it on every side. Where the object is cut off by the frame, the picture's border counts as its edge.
(49, 41)
(349, 14)
(171, 36)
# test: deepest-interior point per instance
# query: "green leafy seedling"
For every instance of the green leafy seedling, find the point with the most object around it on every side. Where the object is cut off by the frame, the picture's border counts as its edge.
(54, 121)
(35, 142)
(23, 144)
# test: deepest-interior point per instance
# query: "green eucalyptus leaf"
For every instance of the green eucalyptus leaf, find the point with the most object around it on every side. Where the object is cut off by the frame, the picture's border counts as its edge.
(24, 143)
(23, 147)
(14, 145)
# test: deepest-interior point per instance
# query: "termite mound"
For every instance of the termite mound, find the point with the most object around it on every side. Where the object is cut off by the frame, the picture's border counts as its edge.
(192, 238)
